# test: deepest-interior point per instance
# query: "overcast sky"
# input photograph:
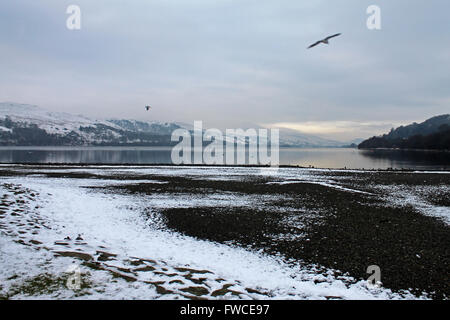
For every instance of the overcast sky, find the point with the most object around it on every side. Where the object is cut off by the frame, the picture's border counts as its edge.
(230, 63)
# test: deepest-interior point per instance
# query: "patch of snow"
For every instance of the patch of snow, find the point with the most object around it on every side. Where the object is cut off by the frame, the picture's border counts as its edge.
(5, 129)
(403, 195)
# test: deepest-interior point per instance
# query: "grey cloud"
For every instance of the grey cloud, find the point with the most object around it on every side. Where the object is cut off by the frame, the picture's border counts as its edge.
(228, 62)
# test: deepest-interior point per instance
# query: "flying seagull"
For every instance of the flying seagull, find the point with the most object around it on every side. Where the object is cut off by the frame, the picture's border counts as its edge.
(324, 41)
(147, 108)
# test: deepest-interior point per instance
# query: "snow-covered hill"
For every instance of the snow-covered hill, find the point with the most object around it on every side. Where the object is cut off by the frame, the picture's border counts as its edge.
(57, 122)
(51, 122)
(24, 124)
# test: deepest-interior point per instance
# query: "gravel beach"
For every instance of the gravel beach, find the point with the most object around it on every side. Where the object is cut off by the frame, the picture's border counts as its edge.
(333, 223)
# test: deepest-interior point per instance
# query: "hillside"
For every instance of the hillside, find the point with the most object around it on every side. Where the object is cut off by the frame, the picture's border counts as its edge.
(433, 134)
(29, 125)
(26, 125)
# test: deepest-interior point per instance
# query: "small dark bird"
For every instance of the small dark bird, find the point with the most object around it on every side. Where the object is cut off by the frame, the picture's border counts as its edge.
(324, 41)
(147, 108)
(79, 238)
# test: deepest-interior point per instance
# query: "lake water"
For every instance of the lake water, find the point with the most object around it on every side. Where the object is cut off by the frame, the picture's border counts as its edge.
(319, 157)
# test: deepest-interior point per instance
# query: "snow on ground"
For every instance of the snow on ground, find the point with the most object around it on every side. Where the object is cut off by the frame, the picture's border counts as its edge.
(403, 195)
(331, 185)
(139, 259)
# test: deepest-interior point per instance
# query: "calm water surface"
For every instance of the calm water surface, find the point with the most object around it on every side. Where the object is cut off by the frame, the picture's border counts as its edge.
(319, 157)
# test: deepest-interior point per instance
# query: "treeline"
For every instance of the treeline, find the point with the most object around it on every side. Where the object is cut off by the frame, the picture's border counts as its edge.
(439, 140)
(21, 134)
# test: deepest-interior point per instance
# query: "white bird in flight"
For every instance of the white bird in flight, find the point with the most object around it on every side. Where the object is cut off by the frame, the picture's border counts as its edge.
(324, 41)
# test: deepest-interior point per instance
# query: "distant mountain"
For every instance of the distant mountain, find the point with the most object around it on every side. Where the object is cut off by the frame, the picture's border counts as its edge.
(356, 141)
(149, 127)
(433, 133)
(293, 138)
(29, 125)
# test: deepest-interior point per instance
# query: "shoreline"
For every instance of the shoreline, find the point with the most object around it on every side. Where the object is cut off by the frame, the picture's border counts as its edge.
(318, 220)
(405, 149)
(57, 164)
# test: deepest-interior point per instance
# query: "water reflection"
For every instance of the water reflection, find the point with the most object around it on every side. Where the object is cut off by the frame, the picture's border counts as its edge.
(159, 155)
(366, 159)
(409, 158)
(319, 158)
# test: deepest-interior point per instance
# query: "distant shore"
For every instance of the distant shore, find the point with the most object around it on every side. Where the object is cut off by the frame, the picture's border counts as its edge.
(406, 149)
(143, 165)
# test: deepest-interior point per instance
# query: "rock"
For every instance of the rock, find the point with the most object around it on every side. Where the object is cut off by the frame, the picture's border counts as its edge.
(123, 276)
(162, 290)
(146, 268)
(250, 290)
(74, 254)
(198, 291)
(61, 243)
(105, 256)
(192, 270)
(136, 262)
(176, 281)
(155, 283)
(223, 291)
